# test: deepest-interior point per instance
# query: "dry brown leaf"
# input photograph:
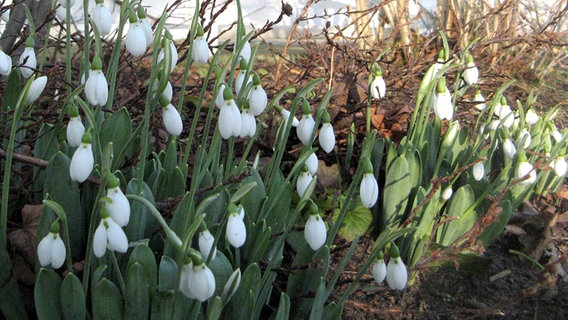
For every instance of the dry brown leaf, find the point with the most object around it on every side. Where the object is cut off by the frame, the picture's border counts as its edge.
(23, 240)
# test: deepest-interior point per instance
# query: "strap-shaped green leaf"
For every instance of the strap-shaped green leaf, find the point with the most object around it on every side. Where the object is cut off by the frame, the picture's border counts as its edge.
(107, 301)
(73, 301)
(48, 304)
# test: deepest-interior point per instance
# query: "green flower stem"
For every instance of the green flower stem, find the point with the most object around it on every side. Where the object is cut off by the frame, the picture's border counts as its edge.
(117, 272)
(89, 250)
(68, 64)
(170, 234)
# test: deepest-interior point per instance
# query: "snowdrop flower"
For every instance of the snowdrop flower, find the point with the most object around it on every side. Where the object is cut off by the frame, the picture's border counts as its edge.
(5, 63)
(168, 47)
(509, 149)
(257, 98)
(397, 275)
(200, 48)
(96, 87)
(286, 115)
(185, 274)
(75, 128)
(66, 3)
(312, 163)
(236, 231)
(5, 15)
(523, 169)
(369, 188)
(219, 99)
(201, 282)
(28, 61)
(231, 285)
(493, 125)
(451, 134)
(443, 104)
(240, 79)
(556, 135)
(109, 235)
(304, 180)
(524, 138)
(531, 117)
(102, 17)
(326, 136)
(248, 124)
(379, 268)
(447, 193)
(36, 88)
(433, 70)
(168, 90)
(145, 25)
(471, 73)
(245, 52)
(314, 231)
(306, 125)
(135, 38)
(480, 106)
(116, 203)
(478, 171)
(506, 115)
(82, 161)
(171, 117)
(560, 166)
(378, 86)
(206, 241)
(51, 249)
(230, 120)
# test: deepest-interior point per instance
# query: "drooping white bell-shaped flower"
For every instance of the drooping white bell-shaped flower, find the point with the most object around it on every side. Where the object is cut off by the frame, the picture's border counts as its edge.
(109, 235)
(200, 49)
(379, 268)
(286, 115)
(397, 275)
(315, 232)
(257, 98)
(443, 107)
(248, 124)
(304, 180)
(480, 106)
(241, 212)
(471, 73)
(312, 163)
(509, 149)
(306, 125)
(327, 136)
(51, 249)
(36, 88)
(145, 25)
(525, 168)
(102, 17)
(168, 47)
(506, 115)
(83, 161)
(220, 99)
(447, 193)
(75, 128)
(135, 38)
(378, 87)
(236, 231)
(556, 135)
(245, 52)
(531, 117)
(230, 121)
(5, 63)
(96, 87)
(369, 188)
(172, 119)
(201, 282)
(560, 166)
(240, 82)
(478, 171)
(206, 241)
(185, 274)
(116, 203)
(28, 60)
(524, 139)
(66, 3)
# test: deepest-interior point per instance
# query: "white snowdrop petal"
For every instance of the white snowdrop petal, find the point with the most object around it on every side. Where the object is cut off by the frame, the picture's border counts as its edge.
(509, 149)
(172, 120)
(369, 190)
(206, 241)
(220, 100)
(471, 74)
(201, 283)
(443, 106)
(447, 193)
(102, 17)
(225, 122)
(303, 182)
(5, 63)
(119, 208)
(28, 62)
(236, 231)
(236, 121)
(312, 163)
(82, 163)
(100, 240)
(101, 89)
(186, 271)
(478, 171)
(200, 50)
(397, 275)
(135, 40)
(327, 137)
(75, 131)
(44, 250)
(378, 87)
(117, 240)
(305, 129)
(531, 117)
(286, 115)
(240, 81)
(523, 169)
(560, 166)
(36, 88)
(241, 212)
(57, 253)
(379, 271)
(257, 100)
(147, 28)
(315, 232)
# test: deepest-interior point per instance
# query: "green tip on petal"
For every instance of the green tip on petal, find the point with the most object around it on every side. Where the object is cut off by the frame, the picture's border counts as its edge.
(112, 181)
(97, 63)
(73, 111)
(503, 101)
(141, 12)
(394, 252)
(326, 118)
(87, 137)
(313, 208)
(200, 31)
(164, 101)
(243, 65)
(54, 227)
(306, 110)
(255, 79)
(30, 43)
(442, 85)
(232, 208)
(441, 55)
(367, 166)
(469, 58)
(227, 94)
(132, 17)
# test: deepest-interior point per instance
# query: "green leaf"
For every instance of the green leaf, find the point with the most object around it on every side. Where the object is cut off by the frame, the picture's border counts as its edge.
(222, 270)
(137, 300)
(163, 305)
(141, 220)
(143, 255)
(398, 186)
(168, 274)
(117, 129)
(73, 301)
(283, 308)
(48, 304)
(242, 303)
(176, 183)
(252, 202)
(45, 147)
(11, 302)
(356, 222)
(319, 301)
(460, 208)
(11, 92)
(243, 191)
(214, 308)
(493, 230)
(177, 222)
(107, 301)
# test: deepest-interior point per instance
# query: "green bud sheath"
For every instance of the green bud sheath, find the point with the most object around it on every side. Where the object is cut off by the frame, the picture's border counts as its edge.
(394, 252)
(243, 65)
(503, 101)
(73, 110)
(132, 17)
(97, 63)
(227, 94)
(255, 79)
(200, 31)
(164, 100)
(87, 137)
(112, 181)
(306, 110)
(313, 208)
(54, 227)
(141, 12)
(442, 85)
(326, 118)
(367, 166)
(380, 255)
(232, 208)
(30, 43)
(104, 214)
